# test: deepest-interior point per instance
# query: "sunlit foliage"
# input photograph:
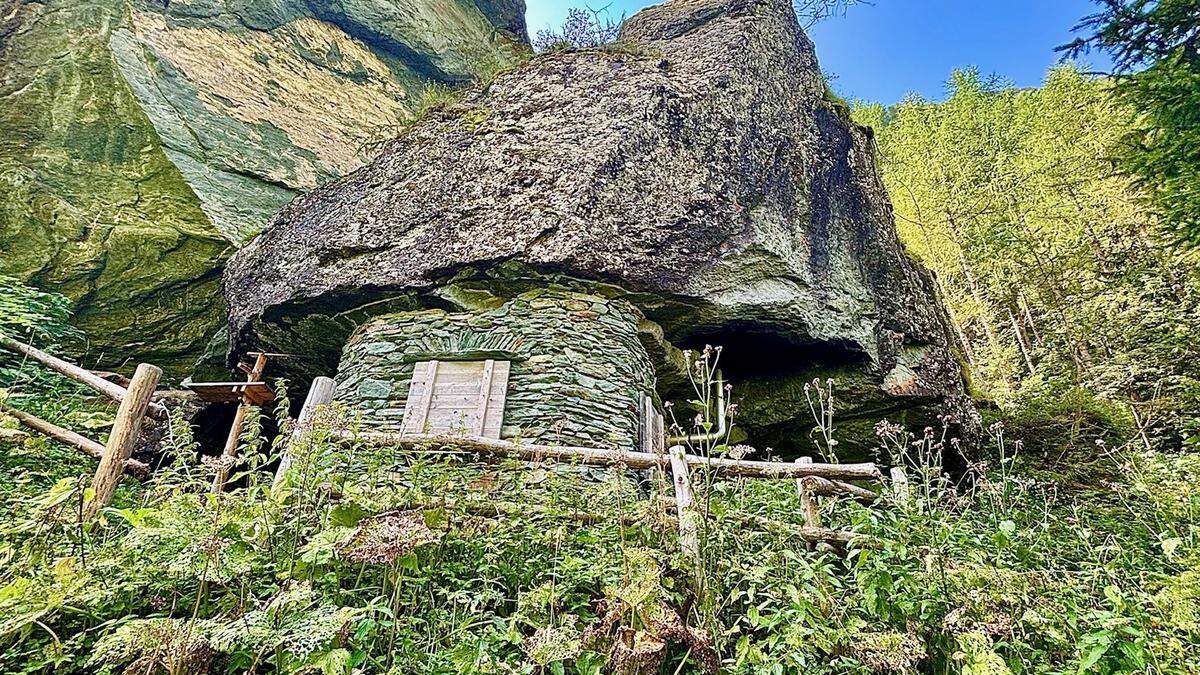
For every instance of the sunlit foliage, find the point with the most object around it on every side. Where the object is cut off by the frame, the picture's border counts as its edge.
(1053, 269)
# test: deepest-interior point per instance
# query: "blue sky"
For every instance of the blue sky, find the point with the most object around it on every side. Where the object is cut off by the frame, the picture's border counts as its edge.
(883, 51)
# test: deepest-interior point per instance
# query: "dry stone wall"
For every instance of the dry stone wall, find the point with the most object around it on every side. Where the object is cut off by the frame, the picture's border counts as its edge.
(578, 367)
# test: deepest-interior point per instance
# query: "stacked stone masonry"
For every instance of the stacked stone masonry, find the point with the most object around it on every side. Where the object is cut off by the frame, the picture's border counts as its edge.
(578, 373)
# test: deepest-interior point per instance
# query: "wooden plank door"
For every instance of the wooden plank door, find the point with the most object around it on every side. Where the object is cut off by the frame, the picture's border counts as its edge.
(457, 397)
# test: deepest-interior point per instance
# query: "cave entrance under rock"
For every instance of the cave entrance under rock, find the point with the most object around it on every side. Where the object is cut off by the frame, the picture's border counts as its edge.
(767, 373)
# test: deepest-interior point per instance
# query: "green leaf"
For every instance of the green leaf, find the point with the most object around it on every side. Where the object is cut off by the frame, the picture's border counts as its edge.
(334, 662)
(1096, 653)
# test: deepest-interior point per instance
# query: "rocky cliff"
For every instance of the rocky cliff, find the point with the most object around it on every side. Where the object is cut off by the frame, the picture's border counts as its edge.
(699, 168)
(141, 141)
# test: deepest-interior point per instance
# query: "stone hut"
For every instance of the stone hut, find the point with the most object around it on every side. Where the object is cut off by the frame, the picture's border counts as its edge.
(567, 368)
(585, 217)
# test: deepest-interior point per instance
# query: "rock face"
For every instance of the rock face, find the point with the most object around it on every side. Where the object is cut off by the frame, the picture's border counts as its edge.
(699, 169)
(141, 141)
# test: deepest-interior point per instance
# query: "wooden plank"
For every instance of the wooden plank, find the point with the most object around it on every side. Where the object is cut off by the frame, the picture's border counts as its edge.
(464, 389)
(122, 437)
(82, 443)
(74, 372)
(416, 409)
(456, 397)
(218, 392)
(446, 402)
(462, 378)
(441, 418)
(320, 394)
(685, 504)
(653, 437)
(643, 424)
(497, 398)
(485, 396)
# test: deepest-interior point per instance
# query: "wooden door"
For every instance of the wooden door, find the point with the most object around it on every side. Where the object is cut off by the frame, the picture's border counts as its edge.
(463, 398)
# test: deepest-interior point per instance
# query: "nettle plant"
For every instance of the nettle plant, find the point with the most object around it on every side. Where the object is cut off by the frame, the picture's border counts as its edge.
(365, 561)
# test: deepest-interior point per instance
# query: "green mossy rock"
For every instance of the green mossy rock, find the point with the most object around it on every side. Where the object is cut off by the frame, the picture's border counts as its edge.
(141, 142)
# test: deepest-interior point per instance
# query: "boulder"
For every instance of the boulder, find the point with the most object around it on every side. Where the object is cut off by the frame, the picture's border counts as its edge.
(699, 168)
(142, 141)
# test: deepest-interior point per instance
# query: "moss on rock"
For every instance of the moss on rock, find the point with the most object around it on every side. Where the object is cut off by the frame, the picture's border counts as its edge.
(141, 143)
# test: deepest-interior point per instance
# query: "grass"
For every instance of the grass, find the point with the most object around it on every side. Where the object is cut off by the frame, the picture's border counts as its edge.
(446, 564)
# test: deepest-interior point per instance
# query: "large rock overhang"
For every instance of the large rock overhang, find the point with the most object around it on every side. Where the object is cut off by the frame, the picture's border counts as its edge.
(699, 168)
(767, 358)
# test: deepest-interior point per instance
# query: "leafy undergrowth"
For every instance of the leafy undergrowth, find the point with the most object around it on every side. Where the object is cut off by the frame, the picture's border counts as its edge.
(449, 565)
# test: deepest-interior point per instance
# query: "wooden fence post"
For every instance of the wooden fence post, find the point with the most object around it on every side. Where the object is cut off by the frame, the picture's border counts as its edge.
(122, 437)
(900, 491)
(685, 505)
(319, 394)
(229, 454)
(808, 501)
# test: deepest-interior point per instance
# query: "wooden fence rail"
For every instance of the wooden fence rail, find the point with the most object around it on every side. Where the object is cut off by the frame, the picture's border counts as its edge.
(132, 466)
(834, 473)
(110, 389)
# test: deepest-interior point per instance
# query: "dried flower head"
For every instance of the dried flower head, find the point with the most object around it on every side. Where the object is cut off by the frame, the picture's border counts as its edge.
(387, 537)
(549, 644)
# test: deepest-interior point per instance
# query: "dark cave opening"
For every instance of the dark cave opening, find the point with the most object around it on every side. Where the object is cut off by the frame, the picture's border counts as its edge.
(211, 424)
(767, 372)
(749, 351)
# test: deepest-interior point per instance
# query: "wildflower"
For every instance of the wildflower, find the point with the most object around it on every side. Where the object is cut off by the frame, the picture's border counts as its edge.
(740, 451)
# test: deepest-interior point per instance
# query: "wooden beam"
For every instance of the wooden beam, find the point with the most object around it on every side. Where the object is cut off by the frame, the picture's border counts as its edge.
(230, 453)
(427, 399)
(122, 437)
(320, 394)
(68, 437)
(74, 372)
(595, 456)
(834, 488)
(485, 396)
(685, 504)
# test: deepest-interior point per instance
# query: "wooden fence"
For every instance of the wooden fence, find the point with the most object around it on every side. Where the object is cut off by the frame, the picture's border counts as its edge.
(134, 403)
(813, 480)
